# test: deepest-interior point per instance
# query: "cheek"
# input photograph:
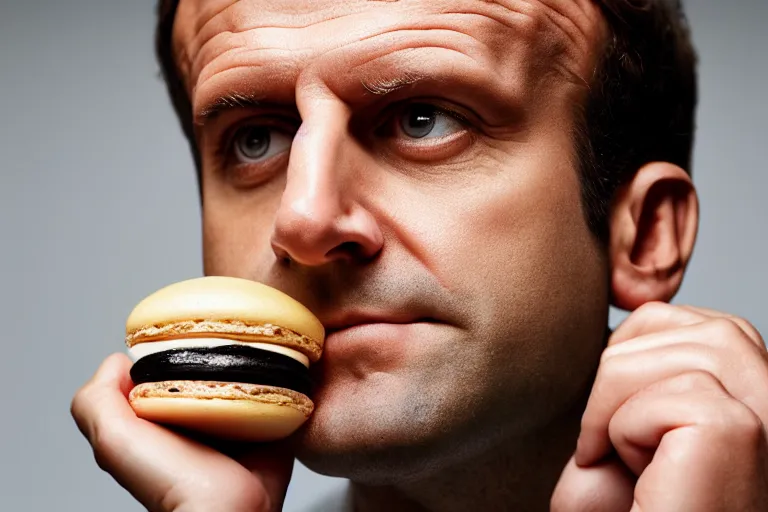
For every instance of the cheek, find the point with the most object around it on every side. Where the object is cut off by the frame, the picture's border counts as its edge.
(534, 231)
(517, 246)
(519, 225)
(237, 227)
(539, 259)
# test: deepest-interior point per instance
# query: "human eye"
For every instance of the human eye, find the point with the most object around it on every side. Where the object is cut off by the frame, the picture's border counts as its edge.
(426, 121)
(253, 144)
(255, 153)
(425, 131)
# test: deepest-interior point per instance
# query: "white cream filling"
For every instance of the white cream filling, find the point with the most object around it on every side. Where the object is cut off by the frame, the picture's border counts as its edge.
(152, 347)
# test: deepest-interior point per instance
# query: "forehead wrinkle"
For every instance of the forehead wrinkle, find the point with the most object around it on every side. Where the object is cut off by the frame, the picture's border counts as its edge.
(211, 11)
(402, 39)
(414, 77)
(249, 58)
(580, 21)
(498, 42)
(206, 10)
(528, 20)
(249, 37)
(401, 42)
(237, 21)
(553, 36)
(568, 28)
(204, 59)
(578, 14)
(516, 13)
(221, 53)
(398, 35)
(237, 53)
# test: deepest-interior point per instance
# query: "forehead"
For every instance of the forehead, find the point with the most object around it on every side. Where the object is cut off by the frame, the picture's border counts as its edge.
(247, 44)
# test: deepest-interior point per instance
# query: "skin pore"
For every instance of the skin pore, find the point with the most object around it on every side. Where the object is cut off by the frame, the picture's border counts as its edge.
(412, 160)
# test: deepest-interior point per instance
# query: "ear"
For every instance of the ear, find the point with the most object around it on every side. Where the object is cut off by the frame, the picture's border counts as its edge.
(653, 226)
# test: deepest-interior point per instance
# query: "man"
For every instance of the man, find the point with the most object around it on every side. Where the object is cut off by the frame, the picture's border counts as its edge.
(459, 189)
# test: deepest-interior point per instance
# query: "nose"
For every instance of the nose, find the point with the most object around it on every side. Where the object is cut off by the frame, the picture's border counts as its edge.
(320, 218)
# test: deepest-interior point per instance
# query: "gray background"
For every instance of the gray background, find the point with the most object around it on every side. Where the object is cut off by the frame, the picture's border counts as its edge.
(98, 207)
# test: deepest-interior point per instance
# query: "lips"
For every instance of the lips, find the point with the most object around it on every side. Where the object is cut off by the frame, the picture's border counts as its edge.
(383, 340)
(372, 330)
(356, 320)
(368, 329)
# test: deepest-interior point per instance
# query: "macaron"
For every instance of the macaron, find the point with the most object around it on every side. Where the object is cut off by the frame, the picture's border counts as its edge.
(225, 357)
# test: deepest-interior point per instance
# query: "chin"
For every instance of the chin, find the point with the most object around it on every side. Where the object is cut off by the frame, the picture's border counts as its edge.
(384, 429)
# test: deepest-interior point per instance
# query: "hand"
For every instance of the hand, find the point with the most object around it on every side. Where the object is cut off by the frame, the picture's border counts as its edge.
(676, 420)
(166, 471)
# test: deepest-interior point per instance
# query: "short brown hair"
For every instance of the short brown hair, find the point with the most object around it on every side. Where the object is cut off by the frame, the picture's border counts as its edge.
(640, 107)
(641, 103)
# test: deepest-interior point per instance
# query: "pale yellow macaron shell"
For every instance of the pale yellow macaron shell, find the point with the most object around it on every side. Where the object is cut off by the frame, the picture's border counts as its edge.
(226, 299)
(244, 412)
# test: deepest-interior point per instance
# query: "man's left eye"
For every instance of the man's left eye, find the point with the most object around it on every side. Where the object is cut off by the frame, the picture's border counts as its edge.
(424, 121)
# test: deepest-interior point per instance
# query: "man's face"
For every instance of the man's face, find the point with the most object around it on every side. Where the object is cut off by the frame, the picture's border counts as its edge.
(408, 165)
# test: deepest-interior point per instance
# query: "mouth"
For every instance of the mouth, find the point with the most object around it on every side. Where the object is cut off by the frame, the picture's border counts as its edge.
(384, 338)
(356, 322)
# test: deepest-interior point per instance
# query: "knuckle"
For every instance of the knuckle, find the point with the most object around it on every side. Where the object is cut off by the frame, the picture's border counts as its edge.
(725, 328)
(746, 426)
(737, 424)
(750, 330)
(105, 443)
(78, 408)
(693, 380)
(610, 353)
(101, 432)
(75, 406)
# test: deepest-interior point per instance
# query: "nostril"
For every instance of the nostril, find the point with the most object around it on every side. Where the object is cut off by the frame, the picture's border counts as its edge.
(350, 250)
(311, 240)
(350, 247)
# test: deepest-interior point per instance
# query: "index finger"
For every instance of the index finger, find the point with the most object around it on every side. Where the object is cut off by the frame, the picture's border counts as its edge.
(105, 393)
(743, 324)
(655, 317)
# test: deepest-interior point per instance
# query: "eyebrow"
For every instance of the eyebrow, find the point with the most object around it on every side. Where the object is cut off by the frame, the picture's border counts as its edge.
(382, 87)
(226, 103)
(234, 101)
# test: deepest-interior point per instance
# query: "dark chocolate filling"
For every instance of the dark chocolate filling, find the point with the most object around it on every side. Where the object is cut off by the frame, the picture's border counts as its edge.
(228, 363)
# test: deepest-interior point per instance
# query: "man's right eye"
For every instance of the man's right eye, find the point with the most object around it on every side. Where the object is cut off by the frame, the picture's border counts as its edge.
(254, 144)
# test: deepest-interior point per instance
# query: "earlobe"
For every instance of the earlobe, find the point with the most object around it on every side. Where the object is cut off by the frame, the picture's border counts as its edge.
(653, 227)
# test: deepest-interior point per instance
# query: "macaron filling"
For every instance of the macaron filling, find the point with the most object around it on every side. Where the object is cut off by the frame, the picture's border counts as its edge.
(227, 363)
(140, 350)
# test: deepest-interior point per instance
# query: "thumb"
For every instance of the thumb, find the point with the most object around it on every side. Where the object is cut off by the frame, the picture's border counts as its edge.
(607, 486)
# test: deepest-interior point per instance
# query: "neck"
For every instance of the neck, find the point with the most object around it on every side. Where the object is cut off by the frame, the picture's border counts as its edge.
(519, 474)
